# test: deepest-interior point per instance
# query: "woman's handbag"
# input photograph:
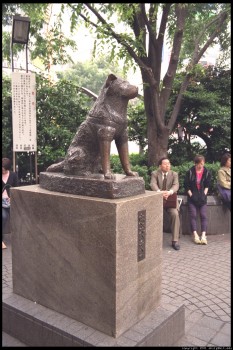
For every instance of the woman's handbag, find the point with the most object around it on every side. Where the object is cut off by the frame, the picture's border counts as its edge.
(224, 193)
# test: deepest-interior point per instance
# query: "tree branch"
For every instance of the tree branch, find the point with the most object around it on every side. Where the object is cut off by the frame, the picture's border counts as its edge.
(149, 27)
(88, 21)
(196, 57)
(176, 108)
(181, 13)
(138, 26)
(163, 23)
(160, 40)
(220, 19)
(121, 41)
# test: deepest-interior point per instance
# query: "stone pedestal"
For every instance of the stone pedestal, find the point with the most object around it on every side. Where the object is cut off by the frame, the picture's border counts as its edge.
(93, 185)
(98, 261)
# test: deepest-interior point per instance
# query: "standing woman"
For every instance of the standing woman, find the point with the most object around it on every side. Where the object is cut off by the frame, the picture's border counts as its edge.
(9, 179)
(224, 179)
(196, 183)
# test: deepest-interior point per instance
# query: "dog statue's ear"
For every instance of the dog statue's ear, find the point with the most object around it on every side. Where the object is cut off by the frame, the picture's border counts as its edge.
(110, 78)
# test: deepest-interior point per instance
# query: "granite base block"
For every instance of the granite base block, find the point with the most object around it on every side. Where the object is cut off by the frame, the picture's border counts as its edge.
(97, 261)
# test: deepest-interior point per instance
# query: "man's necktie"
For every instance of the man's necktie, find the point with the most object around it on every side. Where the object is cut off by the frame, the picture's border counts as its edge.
(164, 182)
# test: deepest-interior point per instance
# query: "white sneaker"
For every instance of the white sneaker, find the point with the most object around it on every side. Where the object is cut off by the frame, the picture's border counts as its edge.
(203, 238)
(196, 238)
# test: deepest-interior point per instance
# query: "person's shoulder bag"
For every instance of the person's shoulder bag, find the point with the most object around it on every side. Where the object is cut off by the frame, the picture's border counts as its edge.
(224, 193)
(5, 201)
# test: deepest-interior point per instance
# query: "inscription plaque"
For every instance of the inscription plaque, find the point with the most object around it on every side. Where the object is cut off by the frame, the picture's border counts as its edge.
(141, 234)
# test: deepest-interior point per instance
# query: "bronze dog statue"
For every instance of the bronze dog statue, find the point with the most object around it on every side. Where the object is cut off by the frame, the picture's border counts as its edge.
(89, 151)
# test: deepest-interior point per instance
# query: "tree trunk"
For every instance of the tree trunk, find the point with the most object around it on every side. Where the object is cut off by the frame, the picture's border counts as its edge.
(157, 134)
(162, 143)
(157, 144)
(151, 127)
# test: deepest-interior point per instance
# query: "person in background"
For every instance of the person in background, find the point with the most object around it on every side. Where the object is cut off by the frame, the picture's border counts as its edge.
(224, 180)
(9, 179)
(197, 183)
(167, 181)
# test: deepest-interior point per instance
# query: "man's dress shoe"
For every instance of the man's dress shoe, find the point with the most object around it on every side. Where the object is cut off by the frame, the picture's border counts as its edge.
(175, 246)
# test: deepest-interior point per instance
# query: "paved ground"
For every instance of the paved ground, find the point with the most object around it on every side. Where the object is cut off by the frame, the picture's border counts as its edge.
(198, 276)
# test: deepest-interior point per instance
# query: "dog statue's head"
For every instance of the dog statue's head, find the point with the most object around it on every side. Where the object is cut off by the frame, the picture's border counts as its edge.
(120, 87)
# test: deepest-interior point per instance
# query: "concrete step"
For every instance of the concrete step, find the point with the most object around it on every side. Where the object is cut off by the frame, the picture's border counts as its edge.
(36, 325)
(9, 341)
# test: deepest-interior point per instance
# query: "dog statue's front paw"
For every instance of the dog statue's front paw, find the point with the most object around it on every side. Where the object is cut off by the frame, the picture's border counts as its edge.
(109, 176)
(132, 173)
(57, 167)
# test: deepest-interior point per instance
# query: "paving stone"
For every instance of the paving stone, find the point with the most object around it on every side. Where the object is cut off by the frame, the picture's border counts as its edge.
(190, 341)
(226, 318)
(221, 339)
(202, 333)
(226, 329)
(96, 338)
(211, 323)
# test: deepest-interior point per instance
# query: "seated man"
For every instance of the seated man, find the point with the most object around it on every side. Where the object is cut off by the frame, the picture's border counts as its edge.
(166, 181)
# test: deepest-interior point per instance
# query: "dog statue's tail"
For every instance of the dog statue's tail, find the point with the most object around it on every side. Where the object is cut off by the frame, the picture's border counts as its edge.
(56, 168)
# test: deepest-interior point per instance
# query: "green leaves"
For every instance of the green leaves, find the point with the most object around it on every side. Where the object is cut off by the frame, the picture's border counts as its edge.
(137, 124)
(206, 112)
(91, 74)
(46, 41)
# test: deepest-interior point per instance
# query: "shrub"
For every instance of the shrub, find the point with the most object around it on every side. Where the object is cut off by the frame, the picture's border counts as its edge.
(143, 172)
(116, 164)
(213, 168)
